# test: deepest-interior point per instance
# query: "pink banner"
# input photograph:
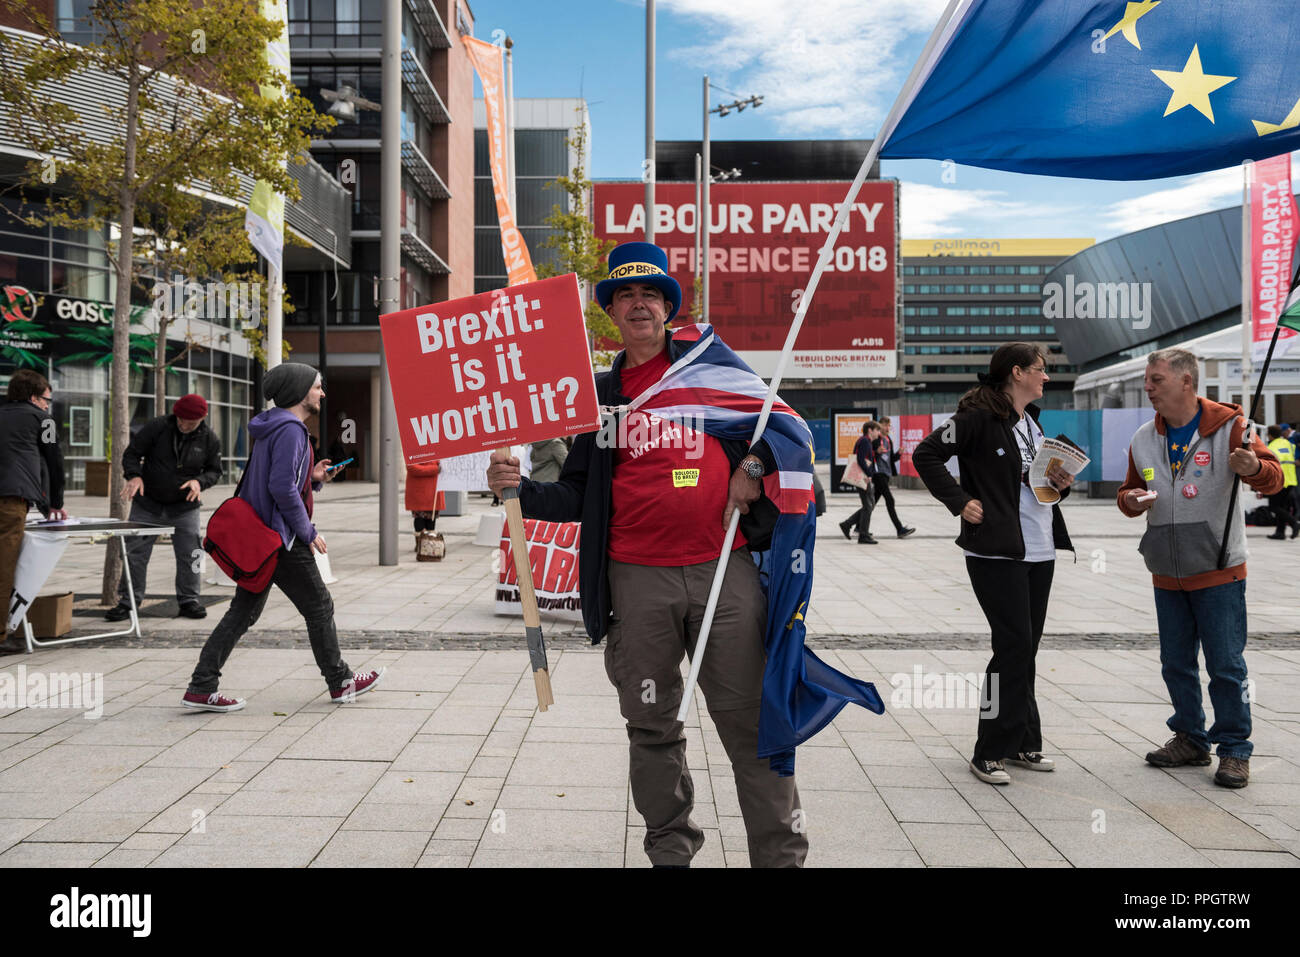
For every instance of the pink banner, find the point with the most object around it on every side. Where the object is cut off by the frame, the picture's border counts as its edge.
(1272, 245)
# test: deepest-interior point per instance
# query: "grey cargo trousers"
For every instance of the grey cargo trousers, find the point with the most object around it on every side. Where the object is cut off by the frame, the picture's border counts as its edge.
(657, 613)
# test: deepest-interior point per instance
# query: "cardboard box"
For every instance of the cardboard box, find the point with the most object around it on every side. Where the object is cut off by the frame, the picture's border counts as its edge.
(51, 615)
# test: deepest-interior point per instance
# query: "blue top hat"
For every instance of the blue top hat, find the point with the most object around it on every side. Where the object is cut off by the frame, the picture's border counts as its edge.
(639, 262)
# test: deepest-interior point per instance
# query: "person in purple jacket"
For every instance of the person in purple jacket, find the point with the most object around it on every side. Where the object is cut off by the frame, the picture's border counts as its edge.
(278, 484)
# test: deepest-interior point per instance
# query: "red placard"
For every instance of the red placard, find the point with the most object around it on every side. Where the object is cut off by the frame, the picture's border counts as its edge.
(500, 368)
(764, 240)
(911, 430)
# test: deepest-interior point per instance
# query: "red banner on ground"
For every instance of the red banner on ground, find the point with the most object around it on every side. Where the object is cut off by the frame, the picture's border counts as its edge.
(501, 368)
(911, 430)
(553, 555)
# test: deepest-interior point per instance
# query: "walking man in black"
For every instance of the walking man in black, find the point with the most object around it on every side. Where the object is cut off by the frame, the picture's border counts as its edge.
(886, 465)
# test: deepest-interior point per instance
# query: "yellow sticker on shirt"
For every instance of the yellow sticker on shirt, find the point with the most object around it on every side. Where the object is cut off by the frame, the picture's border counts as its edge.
(1148, 474)
(686, 478)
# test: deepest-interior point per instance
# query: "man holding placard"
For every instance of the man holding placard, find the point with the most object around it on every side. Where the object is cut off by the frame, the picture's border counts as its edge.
(655, 492)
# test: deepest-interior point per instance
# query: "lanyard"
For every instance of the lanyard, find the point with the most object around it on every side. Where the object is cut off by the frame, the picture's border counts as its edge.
(1026, 442)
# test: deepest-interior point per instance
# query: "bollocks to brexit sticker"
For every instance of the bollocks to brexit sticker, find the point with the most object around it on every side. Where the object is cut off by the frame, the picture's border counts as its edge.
(683, 478)
(1148, 474)
(1201, 458)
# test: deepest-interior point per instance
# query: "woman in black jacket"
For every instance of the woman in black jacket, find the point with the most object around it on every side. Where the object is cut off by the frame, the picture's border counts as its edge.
(1009, 539)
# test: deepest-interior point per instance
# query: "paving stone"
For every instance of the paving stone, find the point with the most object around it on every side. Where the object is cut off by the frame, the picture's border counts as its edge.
(146, 789)
(88, 827)
(928, 805)
(372, 849)
(1129, 840)
(207, 749)
(127, 858)
(1226, 858)
(475, 798)
(14, 829)
(959, 845)
(358, 734)
(34, 854)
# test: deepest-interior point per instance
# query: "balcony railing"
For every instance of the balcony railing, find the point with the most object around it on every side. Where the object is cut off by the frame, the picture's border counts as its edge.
(419, 168)
(427, 18)
(422, 89)
(423, 253)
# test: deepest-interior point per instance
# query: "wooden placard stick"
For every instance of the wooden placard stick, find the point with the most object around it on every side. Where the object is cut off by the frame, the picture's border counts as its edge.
(527, 597)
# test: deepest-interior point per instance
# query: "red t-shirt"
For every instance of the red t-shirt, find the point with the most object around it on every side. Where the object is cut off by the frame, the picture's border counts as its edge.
(667, 502)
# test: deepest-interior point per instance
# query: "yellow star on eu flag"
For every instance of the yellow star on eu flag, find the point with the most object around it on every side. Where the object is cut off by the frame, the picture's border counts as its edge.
(1192, 86)
(1128, 25)
(1291, 121)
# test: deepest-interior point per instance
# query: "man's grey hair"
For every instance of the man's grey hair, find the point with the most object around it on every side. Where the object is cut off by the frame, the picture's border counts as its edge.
(1180, 360)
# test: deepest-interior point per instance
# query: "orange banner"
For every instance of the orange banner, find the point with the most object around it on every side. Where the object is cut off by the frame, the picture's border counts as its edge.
(487, 64)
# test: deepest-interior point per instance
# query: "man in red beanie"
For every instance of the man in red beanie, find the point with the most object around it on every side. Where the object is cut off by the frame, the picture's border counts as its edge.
(170, 460)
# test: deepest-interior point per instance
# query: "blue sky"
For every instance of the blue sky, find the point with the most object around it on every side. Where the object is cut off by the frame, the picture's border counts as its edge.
(828, 69)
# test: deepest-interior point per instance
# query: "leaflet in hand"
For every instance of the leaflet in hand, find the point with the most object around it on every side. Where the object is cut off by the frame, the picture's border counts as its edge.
(1059, 452)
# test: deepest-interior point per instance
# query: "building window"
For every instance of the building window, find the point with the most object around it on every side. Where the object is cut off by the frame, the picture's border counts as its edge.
(927, 270)
(1029, 270)
(1004, 310)
(1028, 310)
(978, 289)
(956, 310)
(956, 330)
(1031, 288)
(1004, 330)
(954, 270)
(1031, 330)
(980, 270)
(981, 330)
(1004, 288)
(909, 270)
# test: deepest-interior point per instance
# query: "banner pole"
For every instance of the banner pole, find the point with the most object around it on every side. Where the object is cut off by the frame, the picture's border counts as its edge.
(1254, 408)
(1247, 274)
(823, 260)
(527, 595)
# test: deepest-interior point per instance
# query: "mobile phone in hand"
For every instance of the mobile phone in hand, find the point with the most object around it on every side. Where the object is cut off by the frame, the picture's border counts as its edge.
(343, 464)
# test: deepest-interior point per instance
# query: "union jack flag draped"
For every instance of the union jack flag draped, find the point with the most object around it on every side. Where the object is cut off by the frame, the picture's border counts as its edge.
(711, 385)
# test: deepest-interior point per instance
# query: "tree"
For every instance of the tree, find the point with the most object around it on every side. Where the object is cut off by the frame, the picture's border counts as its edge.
(192, 242)
(187, 113)
(578, 249)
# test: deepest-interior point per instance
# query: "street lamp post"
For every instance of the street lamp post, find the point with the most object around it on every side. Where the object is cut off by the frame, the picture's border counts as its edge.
(703, 212)
(390, 264)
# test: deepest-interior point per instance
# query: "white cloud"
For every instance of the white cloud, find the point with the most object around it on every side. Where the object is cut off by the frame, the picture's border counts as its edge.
(825, 68)
(1200, 194)
(936, 211)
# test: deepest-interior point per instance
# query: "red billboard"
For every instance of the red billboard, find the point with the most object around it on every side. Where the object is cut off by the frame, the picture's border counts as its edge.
(764, 240)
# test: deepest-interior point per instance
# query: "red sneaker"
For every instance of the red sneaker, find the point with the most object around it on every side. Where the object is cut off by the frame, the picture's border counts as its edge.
(211, 702)
(359, 683)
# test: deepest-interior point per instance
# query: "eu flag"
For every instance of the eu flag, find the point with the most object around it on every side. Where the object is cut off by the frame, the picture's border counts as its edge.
(1107, 89)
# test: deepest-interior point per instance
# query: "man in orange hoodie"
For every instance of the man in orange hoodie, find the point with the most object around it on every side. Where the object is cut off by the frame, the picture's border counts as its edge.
(1181, 467)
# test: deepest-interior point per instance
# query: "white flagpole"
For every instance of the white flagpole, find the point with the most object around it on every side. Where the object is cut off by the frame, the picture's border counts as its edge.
(827, 254)
(1247, 290)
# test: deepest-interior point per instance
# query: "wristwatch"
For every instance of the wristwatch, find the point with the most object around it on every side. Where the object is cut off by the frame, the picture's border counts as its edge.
(752, 467)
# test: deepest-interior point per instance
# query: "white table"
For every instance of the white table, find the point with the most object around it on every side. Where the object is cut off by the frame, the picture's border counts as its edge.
(94, 529)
